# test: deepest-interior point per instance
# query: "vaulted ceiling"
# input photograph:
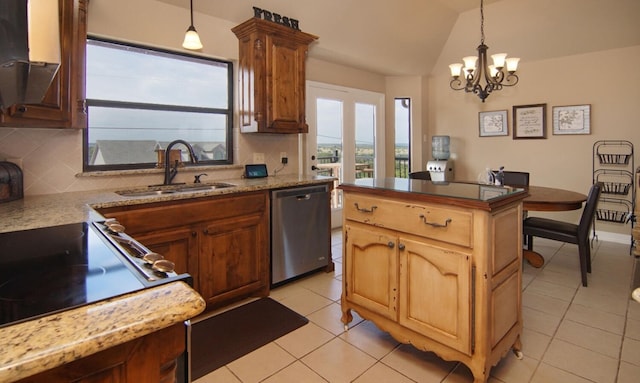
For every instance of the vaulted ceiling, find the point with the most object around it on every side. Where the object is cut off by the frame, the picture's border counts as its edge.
(411, 37)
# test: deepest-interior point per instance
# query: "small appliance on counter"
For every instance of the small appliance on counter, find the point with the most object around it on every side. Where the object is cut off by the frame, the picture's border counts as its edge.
(440, 170)
(10, 182)
(441, 167)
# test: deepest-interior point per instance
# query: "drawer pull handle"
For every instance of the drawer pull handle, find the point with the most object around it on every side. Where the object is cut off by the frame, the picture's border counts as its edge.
(435, 224)
(365, 210)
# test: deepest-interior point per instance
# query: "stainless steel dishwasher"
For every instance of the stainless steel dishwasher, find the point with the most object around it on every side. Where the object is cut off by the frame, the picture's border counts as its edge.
(300, 233)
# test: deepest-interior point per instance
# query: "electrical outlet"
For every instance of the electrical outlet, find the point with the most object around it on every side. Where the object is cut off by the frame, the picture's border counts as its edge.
(283, 154)
(258, 158)
(283, 158)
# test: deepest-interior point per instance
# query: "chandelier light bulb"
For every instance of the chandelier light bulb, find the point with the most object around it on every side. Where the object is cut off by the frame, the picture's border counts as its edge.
(512, 64)
(455, 69)
(498, 59)
(493, 71)
(470, 62)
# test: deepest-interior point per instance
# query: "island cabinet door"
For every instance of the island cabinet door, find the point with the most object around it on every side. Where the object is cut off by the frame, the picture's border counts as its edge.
(435, 293)
(371, 269)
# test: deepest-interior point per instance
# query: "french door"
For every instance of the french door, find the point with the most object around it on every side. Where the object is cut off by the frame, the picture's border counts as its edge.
(346, 136)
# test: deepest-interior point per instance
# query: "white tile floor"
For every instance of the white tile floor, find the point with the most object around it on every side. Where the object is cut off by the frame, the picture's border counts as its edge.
(571, 333)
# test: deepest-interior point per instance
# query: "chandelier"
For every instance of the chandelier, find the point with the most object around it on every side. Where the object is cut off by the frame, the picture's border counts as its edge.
(479, 77)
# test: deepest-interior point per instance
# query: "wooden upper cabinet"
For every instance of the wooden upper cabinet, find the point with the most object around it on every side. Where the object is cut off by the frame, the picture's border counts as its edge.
(271, 75)
(63, 104)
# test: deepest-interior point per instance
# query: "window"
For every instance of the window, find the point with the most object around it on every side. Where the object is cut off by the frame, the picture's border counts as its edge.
(402, 148)
(140, 98)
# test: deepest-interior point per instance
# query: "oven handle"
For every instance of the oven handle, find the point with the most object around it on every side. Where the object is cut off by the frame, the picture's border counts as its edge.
(133, 244)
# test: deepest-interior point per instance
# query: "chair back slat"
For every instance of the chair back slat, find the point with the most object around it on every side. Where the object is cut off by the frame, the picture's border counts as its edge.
(589, 210)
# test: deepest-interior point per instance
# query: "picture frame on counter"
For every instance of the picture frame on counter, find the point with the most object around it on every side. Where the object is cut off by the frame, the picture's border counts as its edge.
(493, 123)
(530, 121)
(572, 119)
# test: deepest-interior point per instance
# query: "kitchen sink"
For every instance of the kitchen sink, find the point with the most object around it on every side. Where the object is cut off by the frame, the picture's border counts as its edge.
(157, 190)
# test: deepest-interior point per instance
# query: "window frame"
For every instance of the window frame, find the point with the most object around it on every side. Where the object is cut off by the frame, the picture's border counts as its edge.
(228, 112)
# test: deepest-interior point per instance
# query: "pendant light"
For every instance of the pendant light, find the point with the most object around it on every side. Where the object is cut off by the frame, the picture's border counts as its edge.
(191, 38)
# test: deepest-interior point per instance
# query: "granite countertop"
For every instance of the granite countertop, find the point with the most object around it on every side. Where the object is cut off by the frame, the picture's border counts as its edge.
(63, 208)
(48, 342)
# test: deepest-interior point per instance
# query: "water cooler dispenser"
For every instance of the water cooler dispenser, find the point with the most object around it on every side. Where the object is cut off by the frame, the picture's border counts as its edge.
(441, 167)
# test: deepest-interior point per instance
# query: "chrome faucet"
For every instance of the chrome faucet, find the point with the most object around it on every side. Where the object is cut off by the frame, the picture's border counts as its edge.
(170, 172)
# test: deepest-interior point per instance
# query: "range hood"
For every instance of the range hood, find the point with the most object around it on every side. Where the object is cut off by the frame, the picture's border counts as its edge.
(29, 50)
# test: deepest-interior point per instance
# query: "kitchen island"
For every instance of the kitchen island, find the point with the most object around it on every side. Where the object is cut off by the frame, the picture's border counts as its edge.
(436, 265)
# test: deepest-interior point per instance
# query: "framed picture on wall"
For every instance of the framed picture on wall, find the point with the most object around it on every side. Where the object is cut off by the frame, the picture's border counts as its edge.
(493, 123)
(574, 119)
(529, 121)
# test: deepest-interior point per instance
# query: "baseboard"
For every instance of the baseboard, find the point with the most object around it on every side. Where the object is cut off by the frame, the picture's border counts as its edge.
(613, 237)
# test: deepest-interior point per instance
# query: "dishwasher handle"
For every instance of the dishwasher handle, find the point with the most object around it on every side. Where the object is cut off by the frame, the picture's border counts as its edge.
(303, 193)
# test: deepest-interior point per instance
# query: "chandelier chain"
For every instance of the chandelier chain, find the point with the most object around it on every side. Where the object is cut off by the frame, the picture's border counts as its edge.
(481, 22)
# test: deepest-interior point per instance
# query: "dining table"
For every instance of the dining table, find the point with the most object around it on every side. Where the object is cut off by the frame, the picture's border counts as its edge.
(549, 199)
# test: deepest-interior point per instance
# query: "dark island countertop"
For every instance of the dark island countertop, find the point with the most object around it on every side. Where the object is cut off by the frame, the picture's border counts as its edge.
(464, 194)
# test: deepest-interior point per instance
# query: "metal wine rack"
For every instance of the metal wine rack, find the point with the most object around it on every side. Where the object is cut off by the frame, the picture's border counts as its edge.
(613, 166)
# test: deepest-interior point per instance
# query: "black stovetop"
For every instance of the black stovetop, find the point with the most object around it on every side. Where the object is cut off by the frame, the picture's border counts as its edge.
(47, 270)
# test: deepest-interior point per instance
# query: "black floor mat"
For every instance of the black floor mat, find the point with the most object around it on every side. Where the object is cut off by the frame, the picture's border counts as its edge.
(218, 340)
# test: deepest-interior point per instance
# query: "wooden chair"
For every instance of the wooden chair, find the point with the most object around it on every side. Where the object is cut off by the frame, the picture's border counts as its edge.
(423, 175)
(568, 232)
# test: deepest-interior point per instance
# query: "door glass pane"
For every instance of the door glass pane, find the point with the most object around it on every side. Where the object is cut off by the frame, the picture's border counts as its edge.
(365, 139)
(329, 140)
(402, 129)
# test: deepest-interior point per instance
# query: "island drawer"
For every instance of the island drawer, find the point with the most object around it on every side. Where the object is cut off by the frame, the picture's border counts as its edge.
(444, 224)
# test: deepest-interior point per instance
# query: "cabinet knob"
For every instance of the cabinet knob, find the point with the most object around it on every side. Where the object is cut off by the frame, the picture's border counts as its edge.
(391, 244)
(206, 231)
(401, 246)
(194, 233)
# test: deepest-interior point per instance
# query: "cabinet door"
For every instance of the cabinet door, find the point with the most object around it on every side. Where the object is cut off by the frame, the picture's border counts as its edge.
(286, 86)
(233, 260)
(435, 290)
(179, 245)
(371, 269)
(63, 104)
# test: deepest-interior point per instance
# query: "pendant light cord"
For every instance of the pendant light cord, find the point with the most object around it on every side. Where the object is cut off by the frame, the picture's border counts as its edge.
(191, 8)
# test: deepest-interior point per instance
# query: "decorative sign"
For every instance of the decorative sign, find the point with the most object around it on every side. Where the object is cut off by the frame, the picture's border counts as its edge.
(571, 119)
(529, 121)
(276, 18)
(493, 123)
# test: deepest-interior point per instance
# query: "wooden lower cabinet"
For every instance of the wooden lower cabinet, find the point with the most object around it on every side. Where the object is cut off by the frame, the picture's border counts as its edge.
(454, 289)
(149, 359)
(223, 242)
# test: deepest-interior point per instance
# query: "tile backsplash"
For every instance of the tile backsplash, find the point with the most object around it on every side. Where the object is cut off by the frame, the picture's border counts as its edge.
(51, 161)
